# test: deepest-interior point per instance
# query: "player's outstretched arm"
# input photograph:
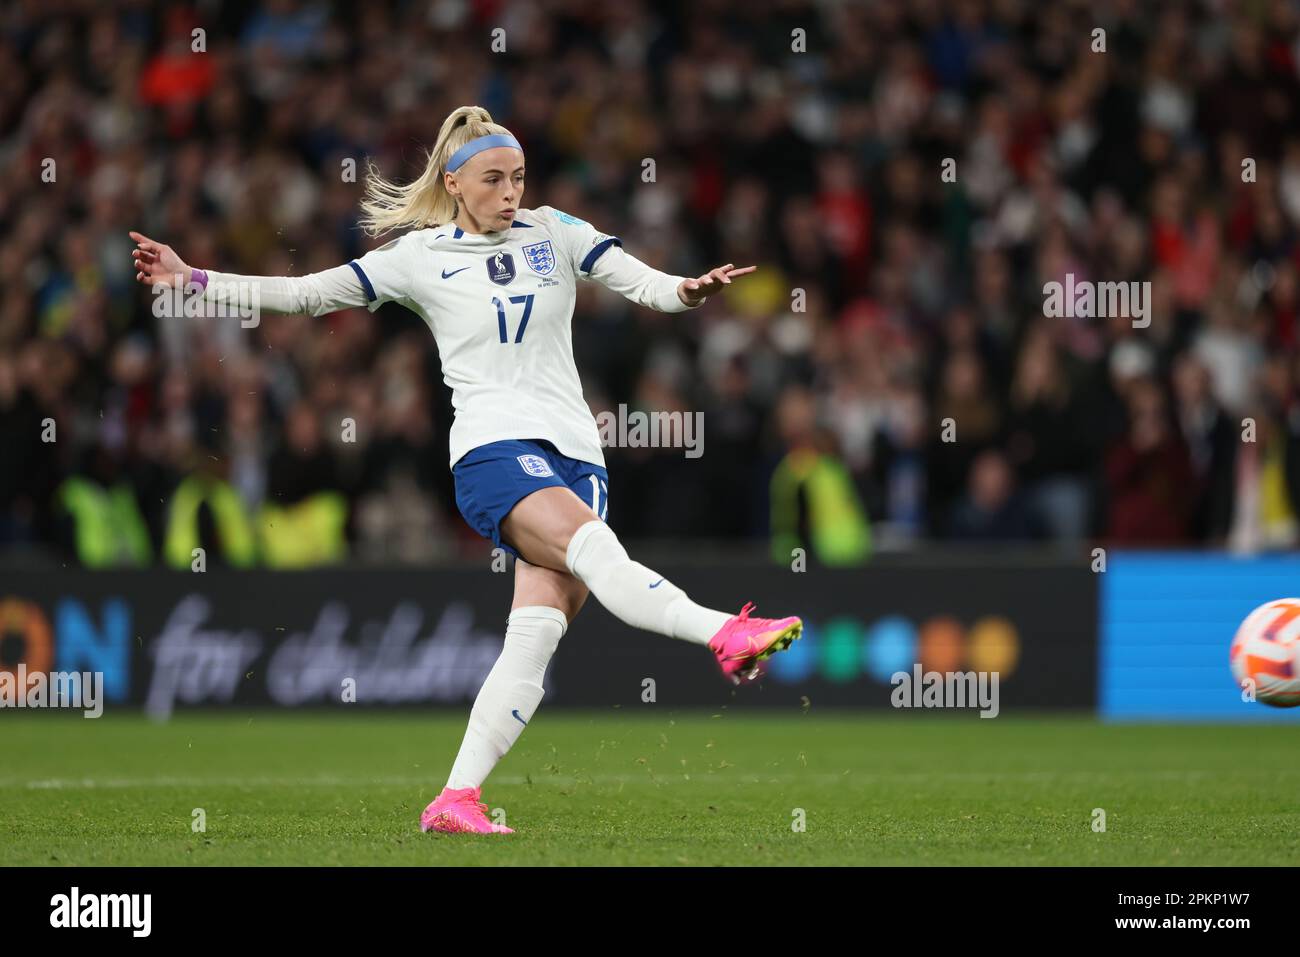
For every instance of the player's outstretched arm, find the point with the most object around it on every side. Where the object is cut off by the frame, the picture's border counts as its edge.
(316, 294)
(630, 277)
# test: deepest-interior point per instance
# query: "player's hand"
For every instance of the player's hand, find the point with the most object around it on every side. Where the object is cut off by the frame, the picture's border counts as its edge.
(156, 264)
(695, 291)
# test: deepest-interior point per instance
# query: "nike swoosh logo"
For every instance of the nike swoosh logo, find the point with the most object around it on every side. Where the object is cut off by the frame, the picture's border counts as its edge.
(658, 583)
(448, 275)
(515, 712)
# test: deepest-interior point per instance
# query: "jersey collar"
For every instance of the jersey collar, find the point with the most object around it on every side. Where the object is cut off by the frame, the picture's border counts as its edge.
(497, 237)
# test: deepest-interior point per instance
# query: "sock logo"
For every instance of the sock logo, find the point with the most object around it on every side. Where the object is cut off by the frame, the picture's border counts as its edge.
(658, 583)
(515, 712)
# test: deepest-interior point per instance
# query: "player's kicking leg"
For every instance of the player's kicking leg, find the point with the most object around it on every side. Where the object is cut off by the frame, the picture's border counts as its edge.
(545, 601)
(556, 529)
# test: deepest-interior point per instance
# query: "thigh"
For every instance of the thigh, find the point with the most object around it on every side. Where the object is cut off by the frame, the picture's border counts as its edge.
(535, 585)
(540, 525)
(493, 478)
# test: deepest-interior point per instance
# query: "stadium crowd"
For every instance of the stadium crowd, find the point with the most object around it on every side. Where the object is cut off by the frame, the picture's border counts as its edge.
(907, 175)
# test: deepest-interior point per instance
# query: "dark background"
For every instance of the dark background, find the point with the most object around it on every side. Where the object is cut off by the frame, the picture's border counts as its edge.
(923, 298)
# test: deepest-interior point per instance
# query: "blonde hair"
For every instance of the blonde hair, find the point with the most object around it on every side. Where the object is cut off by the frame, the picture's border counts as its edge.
(424, 201)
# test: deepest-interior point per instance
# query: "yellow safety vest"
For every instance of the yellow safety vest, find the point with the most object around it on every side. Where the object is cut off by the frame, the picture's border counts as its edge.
(108, 527)
(309, 532)
(234, 529)
(841, 534)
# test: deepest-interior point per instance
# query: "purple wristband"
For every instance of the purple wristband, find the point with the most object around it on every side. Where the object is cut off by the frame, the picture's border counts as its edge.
(199, 277)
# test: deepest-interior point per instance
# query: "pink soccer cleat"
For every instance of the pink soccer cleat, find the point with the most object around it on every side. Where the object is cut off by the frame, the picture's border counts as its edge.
(460, 812)
(743, 642)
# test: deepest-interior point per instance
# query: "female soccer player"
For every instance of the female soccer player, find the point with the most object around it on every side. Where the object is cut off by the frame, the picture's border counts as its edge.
(496, 284)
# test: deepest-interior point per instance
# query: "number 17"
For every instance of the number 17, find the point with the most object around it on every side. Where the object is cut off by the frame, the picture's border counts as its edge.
(501, 315)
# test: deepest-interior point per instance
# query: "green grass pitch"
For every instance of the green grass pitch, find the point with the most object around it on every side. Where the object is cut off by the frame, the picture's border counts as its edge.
(649, 787)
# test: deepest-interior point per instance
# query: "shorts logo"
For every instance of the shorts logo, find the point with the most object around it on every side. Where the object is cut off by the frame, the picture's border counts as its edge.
(535, 465)
(501, 268)
(541, 257)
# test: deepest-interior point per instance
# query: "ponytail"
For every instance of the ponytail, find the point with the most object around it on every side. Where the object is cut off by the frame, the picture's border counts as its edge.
(424, 201)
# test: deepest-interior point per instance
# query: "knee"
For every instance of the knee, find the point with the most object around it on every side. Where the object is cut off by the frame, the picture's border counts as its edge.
(536, 630)
(593, 547)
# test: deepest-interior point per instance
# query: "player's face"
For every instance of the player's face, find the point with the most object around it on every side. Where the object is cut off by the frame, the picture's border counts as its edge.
(490, 186)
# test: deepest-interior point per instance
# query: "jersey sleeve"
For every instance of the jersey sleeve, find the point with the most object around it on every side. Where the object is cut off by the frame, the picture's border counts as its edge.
(634, 280)
(316, 294)
(599, 256)
(378, 277)
(384, 272)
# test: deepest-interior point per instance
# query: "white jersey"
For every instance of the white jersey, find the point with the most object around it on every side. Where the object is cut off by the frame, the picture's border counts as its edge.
(500, 306)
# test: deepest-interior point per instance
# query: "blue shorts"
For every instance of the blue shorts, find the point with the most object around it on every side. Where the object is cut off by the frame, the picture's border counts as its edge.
(492, 478)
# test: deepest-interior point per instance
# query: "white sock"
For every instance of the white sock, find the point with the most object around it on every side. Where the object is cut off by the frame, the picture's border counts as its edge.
(633, 593)
(513, 687)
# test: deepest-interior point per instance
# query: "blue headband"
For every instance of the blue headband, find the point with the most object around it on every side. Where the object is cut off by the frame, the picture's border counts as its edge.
(478, 145)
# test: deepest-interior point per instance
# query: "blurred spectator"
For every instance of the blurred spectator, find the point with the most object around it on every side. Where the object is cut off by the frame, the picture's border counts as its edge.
(1048, 439)
(814, 504)
(30, 468)
(304, 519)
(967, 420)
(1267, 476)
(1149, 479)
(991, 509)
(1212, 442)
(899, 467)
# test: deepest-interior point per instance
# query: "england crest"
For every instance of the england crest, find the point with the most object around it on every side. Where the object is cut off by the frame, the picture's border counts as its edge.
(501, 268)
(535, 465)
(541, 257)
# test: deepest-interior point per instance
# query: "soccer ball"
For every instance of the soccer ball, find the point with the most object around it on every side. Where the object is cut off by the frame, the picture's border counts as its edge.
(1266, 652)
